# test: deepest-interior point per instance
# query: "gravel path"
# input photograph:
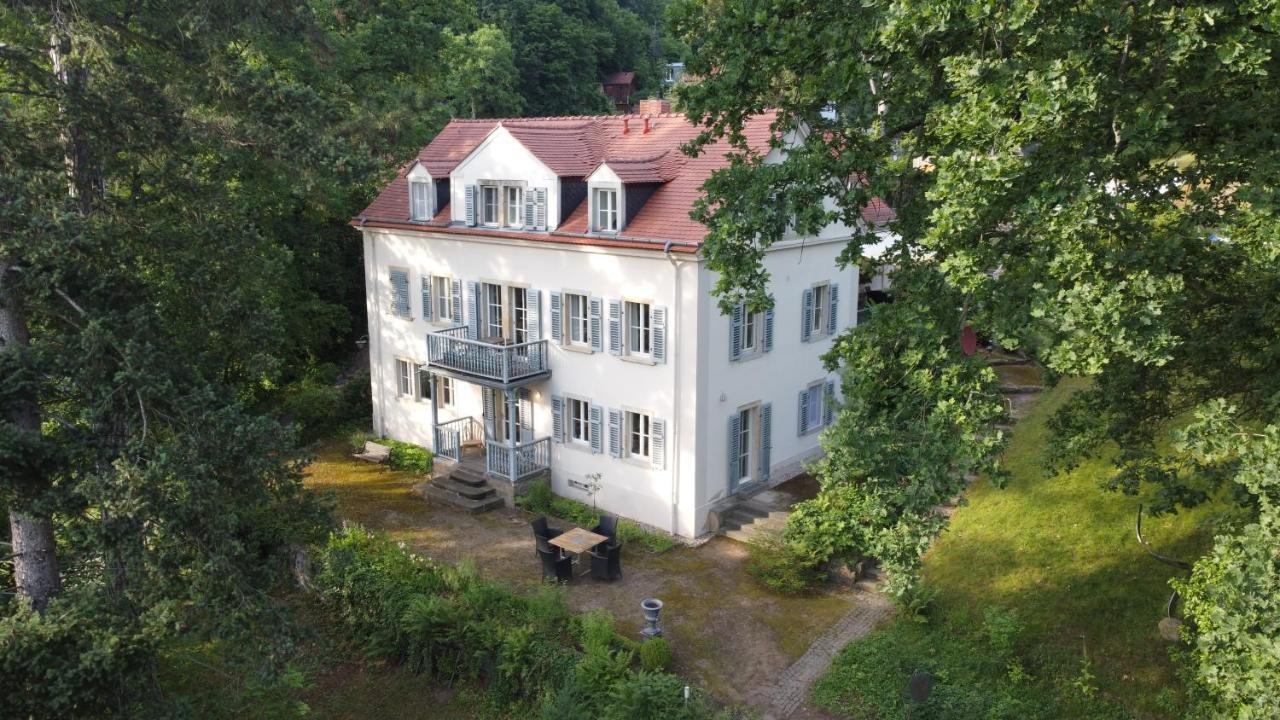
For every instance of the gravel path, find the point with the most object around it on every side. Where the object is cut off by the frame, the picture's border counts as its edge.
(789, 691)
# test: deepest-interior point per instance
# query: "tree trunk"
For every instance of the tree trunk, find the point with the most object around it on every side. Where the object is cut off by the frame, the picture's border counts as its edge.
(35, 558)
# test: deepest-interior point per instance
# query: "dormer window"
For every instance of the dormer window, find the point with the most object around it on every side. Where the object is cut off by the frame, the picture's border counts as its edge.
(489, 205)
(605, 210)
(513, 206)
(420, 194)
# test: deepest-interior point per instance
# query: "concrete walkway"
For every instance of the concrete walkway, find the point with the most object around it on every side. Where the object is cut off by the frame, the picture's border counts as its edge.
(790, 690)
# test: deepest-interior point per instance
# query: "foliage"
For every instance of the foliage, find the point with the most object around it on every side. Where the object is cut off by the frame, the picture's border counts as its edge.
(452, 625)
(319, 407)
(655, 654)
(783, 565)
(914, 423)
(538, 498)
(357, 438)
(970, 678)
(407, 456)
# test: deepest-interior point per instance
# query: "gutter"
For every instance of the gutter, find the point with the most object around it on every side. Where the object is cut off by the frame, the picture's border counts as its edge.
(676, 394)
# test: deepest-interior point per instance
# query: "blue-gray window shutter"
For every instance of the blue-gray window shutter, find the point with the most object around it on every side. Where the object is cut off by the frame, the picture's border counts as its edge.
(735, 331)
(829, 403)
(557, 320)
(541, 211)
(806, 318)
(533, 314)
(470, 206)
(456, 300)
(615, 432)
(768, 330)
(735, 435)
(834, 294)
(802, 426)
(597, 437)
(658, 324)
(426, 298)
(487, 394)
(658, 443)
(530, 210)
(473, 309)
(557, 418)
(615, 327)
(597, 337)
(525, 409)
(766, 439)
(400, 292)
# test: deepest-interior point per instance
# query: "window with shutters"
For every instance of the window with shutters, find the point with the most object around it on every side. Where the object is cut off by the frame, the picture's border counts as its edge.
(639, 328)
(446, 390)
(748, 329)
(404, 377)
(578, 415)
(519, 314)
(442, 298)
(813, 406)
(605, 209)
(577, 318)
(492, 310)
(639, 435)
(399, 278)
(821, 306)
(513, 206)
(489, 207)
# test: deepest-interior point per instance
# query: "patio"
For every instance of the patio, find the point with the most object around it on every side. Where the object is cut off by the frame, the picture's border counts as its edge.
(726, 631)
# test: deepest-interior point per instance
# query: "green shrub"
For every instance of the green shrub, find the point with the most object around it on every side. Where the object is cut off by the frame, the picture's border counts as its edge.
(538, 498)
(357, 438)
(1003, 630)
(409, 457)
(656, 542)
(915, 599)
(655, 654)
(782, 565)
(314, 409)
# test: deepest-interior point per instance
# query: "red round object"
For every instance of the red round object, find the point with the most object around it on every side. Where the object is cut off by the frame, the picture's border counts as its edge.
(968, 340)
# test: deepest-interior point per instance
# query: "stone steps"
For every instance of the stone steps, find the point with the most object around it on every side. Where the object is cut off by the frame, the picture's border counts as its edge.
(745, 521)
(466, 488)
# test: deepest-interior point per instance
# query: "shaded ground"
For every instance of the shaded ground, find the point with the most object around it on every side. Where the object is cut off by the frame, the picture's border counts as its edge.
(727, 633)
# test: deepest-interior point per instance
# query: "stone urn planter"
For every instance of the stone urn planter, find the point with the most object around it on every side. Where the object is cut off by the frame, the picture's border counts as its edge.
(651, 608)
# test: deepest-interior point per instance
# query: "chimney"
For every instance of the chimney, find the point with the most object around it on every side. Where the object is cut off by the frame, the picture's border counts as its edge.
(654, 106)
(646, 124)
(626, 125)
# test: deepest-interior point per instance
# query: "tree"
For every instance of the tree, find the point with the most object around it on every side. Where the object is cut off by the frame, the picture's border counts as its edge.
(1095, 183)
(482, 74)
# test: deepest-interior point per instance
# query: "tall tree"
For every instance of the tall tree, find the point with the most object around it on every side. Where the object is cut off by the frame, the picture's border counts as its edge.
(1096, 183)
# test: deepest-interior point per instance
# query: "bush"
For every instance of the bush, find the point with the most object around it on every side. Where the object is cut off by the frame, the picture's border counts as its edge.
(409, 457)
(357, 438)
(782, 565)
(655, 654)
(315, 409)
(538, 498)
(656, 542)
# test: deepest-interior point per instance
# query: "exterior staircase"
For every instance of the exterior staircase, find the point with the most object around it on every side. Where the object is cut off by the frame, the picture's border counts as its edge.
(465, 487)
(751, 517)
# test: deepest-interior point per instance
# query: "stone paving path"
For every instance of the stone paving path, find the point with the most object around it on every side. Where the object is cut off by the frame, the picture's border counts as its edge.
(791, 688)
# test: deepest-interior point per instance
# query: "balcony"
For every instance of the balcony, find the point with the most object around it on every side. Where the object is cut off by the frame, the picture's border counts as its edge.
(494, 363)
(518, 462)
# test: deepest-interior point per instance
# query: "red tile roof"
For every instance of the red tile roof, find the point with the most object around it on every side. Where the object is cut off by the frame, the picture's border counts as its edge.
(573, 147)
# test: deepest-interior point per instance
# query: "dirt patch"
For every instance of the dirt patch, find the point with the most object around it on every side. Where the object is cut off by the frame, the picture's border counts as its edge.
(727, 632)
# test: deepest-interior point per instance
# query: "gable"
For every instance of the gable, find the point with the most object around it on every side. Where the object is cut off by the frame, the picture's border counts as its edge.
(500, 156)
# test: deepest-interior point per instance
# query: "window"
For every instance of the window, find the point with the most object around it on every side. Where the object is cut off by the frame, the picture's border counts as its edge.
(520, 314)
(446, 390)
(577, 319)
(489, 204)
(419, 200)
(813, 405)
(513, 208)
(746, 432)
(818, 323)
(404, 377)
(399, 278)
(442, 296)
(639, 331)
(639, 435)
(579, 421)
(606, 210)
(424, 383)
(492, 310)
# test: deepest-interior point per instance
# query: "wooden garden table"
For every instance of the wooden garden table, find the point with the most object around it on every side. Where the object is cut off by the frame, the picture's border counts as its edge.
(578, 541)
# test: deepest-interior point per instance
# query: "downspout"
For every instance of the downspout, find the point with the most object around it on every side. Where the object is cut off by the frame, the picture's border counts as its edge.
(675, 417)
(375, 331)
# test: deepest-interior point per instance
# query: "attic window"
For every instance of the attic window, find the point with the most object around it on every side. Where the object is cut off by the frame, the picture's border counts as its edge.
(420, 200)
(605, 209)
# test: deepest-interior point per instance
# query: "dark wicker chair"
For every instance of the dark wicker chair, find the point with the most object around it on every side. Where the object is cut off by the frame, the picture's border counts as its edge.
(542, 533)
(608, 527)
(556, 566)
(606, 562)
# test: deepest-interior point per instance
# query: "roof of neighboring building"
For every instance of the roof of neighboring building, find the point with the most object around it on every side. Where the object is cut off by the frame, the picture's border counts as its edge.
(573, 147)
(620, 78)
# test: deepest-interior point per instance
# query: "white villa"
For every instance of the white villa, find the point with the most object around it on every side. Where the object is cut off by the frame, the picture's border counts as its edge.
(537, 299)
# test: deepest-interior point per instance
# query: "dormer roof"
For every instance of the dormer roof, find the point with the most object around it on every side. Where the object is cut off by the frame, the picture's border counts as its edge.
(572, 148)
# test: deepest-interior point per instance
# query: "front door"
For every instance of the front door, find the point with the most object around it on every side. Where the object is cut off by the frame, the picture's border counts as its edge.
(496, 420)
